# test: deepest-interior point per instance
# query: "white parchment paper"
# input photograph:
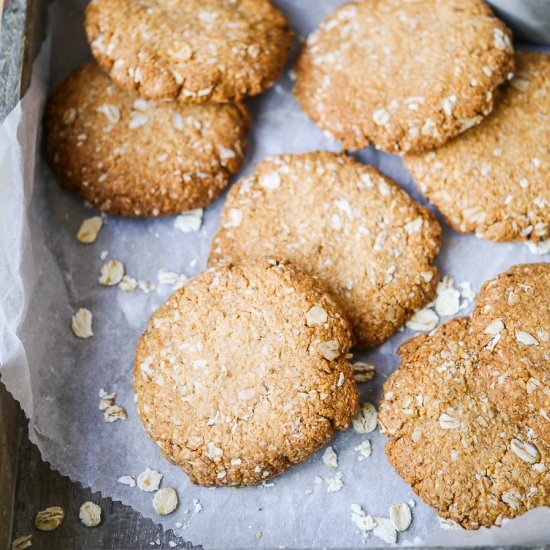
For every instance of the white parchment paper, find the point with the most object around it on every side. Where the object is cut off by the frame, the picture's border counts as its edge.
(45, 275)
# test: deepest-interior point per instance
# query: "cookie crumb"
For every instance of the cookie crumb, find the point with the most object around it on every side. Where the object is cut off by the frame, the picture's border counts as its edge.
(106, 399)
(330, 458)
(197, 505)
(364, 449)
(334, 484)
(127, 480)
(539, 248)
(128, 284)
(114, 413)
(146, 286)
(361, 520)
(448, 524)
(176, 280)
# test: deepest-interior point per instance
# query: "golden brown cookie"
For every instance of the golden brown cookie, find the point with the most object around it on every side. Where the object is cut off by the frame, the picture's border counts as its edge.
(511, 324)
(243, 372)
(460, 454)
(404, 76)
(192, 50)
(493, 179)
(344, 222)
(133, 157)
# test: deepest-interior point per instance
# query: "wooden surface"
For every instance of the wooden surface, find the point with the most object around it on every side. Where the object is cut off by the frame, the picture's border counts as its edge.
(27, 485)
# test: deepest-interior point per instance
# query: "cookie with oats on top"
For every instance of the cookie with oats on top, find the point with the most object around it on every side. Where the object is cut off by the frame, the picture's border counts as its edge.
(191, 50)
(129, 156)
(403, 76)
(345, 222)
(511, 323)
(460, 454)
(244, 372)
(494, 179)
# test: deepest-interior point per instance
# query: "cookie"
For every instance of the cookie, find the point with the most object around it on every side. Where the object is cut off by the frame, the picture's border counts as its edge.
(133, 157)
(511, 323)
(404, 76)
(243, 372)
(450, 443)
(193, 50)
(344, 222)
(493, 179)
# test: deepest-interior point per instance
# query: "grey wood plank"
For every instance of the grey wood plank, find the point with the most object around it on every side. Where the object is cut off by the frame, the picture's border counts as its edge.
(9, 438)
(37, 487)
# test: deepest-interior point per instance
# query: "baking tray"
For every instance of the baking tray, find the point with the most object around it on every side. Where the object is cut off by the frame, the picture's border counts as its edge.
(23, 24)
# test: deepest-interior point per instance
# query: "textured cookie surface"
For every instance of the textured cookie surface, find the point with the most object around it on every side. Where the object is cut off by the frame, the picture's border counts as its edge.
(134, 157)
(459, 453)
(404, 76)
(493, 179)
(242, 373)
(344, 222)
(193, 50)
(511, 322)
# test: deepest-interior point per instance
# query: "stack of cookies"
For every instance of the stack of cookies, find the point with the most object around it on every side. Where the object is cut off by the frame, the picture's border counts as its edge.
(468, 411)
(157, 126)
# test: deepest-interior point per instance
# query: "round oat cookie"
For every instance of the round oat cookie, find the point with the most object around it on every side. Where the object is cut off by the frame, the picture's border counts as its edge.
(243, 372)
(192, 50)
(346, 223)
(450, 443)
(511, 323)
(404, 76)
(134, 157)
(493, 179)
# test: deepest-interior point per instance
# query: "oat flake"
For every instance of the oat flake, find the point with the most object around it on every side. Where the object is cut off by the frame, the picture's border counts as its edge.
(385, 530)
(149, 480)
(316, 316)
(21, 543)
(82, 323)
(365, 418)
(111, 273)
(90, 514)
(165, 501)
(89, 229)
(189, 222)
(424, 320)
(363, 372)
(400, 516)
(49, 519)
